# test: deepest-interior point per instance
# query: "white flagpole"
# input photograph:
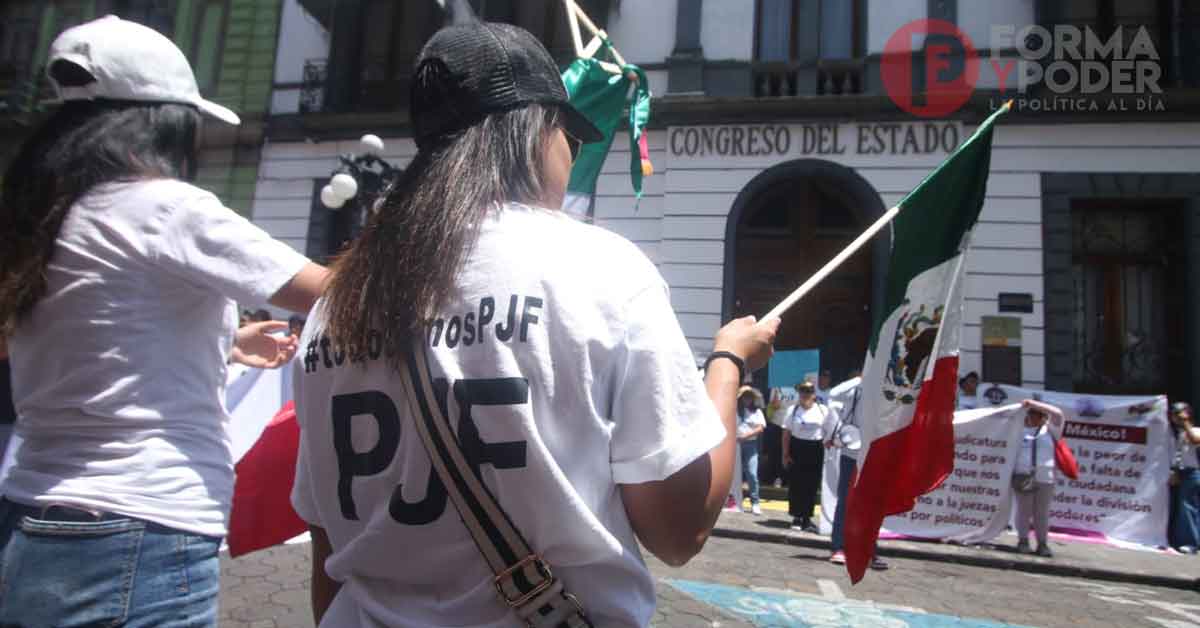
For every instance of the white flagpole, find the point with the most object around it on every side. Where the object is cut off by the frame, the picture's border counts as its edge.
(573, 22)
(575, 15)
(828, 268)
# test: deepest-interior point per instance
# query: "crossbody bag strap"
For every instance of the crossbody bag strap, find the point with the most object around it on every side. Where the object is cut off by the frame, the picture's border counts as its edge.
(844, 419)
(522, 579)
(854, 406)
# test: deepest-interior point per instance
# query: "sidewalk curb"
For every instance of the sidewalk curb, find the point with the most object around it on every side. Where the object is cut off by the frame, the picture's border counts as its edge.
(974, 560)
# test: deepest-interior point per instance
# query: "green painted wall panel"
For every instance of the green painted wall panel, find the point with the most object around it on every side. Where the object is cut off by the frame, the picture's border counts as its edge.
(184, 18)
(242, 190)
(245, 174)
(258, 75)
(239, 29)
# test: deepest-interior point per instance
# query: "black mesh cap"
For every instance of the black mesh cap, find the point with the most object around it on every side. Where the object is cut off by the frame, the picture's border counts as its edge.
(467, 71)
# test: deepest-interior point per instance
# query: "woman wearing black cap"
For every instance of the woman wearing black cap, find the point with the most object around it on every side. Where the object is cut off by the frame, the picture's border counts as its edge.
(117, 287)
(471, 307)
(804, 454)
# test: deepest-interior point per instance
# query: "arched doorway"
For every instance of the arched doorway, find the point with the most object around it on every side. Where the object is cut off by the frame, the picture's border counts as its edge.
(784, 225)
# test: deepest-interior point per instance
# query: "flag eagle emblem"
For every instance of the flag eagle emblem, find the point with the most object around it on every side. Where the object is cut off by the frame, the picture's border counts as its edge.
(912, 347)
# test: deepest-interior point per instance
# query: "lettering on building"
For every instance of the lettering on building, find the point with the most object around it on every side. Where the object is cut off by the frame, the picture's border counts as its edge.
(784, 140)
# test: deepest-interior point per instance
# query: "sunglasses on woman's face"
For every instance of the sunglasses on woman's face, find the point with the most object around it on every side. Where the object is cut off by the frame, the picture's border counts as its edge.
(574, 144)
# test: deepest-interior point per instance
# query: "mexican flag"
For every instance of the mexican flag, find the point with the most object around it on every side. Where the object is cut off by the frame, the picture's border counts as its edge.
(911, 368)
(264, 440)
(603, 96)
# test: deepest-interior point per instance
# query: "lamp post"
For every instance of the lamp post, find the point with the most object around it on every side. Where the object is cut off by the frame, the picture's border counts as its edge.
(353, 189)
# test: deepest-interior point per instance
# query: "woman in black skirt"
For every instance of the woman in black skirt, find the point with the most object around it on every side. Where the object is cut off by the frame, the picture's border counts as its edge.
(804, 455)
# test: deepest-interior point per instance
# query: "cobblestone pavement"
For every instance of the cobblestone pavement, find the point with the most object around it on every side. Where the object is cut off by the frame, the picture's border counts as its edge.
(738, 583)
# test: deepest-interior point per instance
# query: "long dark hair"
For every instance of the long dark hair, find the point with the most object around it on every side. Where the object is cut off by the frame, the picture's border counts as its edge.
(83, 144)
(402, 269)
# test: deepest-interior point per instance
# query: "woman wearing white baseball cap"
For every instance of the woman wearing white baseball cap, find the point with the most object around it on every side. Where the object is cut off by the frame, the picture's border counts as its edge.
(117, 288)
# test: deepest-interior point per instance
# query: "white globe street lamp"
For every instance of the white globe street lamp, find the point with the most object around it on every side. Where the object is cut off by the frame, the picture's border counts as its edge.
(330, 198)
(371, 144)
(344, 185)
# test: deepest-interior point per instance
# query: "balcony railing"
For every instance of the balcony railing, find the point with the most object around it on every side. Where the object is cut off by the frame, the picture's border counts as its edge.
(824, 78)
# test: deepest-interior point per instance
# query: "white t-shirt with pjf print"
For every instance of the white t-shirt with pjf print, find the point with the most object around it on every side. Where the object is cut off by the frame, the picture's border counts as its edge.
(566, 375)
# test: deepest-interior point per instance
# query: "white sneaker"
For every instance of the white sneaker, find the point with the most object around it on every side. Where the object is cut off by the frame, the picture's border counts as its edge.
(756, 509)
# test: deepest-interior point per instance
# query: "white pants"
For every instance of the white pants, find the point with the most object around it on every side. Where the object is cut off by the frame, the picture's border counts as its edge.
(1035, 504)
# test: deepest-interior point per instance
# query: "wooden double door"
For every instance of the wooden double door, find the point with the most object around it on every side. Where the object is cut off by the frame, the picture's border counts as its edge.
(784, 237)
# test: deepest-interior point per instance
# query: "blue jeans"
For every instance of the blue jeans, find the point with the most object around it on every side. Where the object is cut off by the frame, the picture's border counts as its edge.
(846, 467)
(70, 569)
(750, 466)
(1186, 525)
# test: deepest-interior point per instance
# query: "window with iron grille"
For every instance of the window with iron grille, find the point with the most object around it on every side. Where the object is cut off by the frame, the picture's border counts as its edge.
(385, 37)
(392, 35)
(808, 47)
(1127, 277)
(1173, 27)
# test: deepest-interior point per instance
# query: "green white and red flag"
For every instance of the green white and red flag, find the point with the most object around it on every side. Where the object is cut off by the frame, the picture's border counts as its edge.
(604, 98)
(911, 369)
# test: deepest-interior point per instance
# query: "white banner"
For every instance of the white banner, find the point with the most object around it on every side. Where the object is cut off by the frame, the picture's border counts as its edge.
(831, 474)
(1122, 446)
(252, 398)
(973, 504)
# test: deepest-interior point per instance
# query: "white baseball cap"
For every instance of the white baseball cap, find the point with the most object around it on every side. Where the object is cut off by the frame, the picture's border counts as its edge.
(130, 62)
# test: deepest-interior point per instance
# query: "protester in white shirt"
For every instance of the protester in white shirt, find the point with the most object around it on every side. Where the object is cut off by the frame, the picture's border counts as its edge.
(968, 390)
(550, 342)
(750, 426)
(1184, 530)
(117, 297)
(804, 454)
(1034, 473)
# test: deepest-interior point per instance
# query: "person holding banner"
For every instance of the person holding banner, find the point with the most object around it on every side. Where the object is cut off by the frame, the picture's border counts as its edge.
(968, 387)
(1185, 523)
(516, 405)
(803, 454)
(1034, 473)
(118, 282)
